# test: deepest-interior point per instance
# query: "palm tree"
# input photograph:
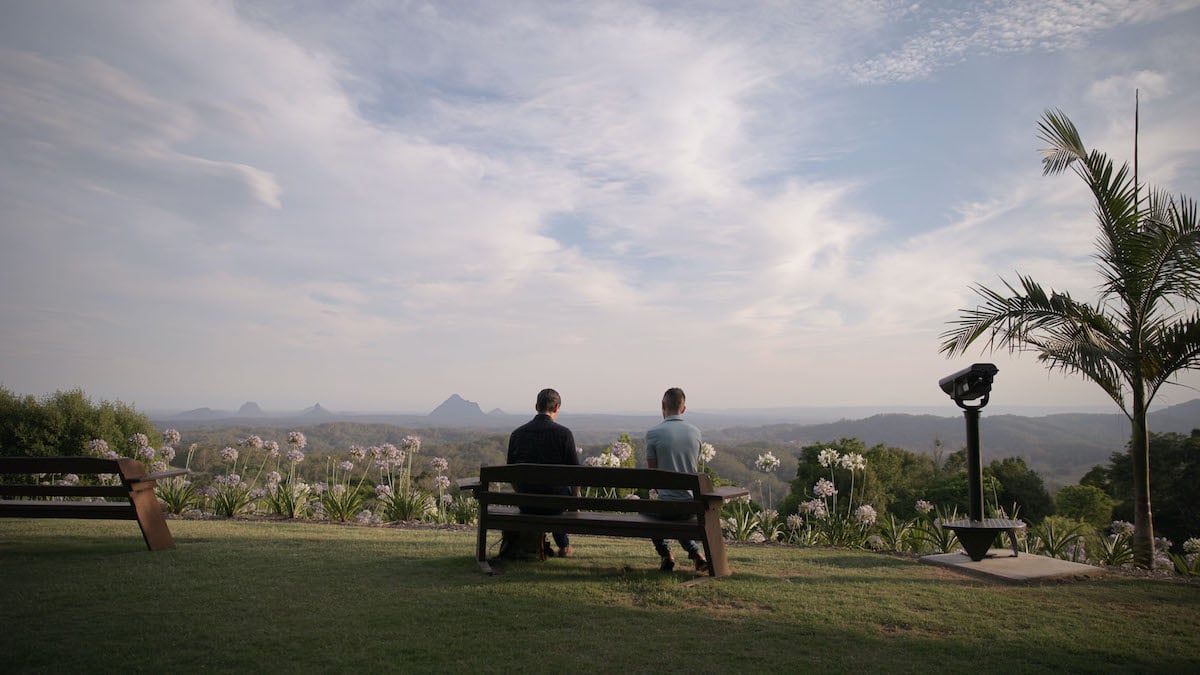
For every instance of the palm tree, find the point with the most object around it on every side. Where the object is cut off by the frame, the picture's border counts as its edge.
(1142, 331)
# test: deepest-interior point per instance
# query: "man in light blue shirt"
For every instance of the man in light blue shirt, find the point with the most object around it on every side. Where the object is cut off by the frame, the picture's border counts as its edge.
(674, 445)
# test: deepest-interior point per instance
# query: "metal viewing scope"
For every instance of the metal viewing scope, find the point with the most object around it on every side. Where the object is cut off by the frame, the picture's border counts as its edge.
(970, 383)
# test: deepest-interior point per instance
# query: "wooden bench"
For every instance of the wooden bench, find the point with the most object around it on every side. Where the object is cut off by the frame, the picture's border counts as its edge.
(136, 490)
(698, 518)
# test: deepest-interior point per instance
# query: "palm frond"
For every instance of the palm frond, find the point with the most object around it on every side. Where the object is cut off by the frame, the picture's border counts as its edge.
(1174, 348)
(1065, 145)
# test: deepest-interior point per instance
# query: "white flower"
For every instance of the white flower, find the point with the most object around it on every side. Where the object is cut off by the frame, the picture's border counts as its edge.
(297, 439)
(707, 452)
(411, 444)
(439, 464)
(1192, 545)
(97, 447)
(924, 506)
(815, 508)
(795, 522)
(171, 436)
(865, 514)
(229, 454)
(823, 488)
(767, 463)
(757, 538)
(1122, 527)
(875, 542)
(852, 461)
(346, 465)
(255, 442)
(827, 457)
(622, 450)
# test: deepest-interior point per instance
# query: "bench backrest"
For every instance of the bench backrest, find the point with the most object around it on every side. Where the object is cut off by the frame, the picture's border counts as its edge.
(125, 467)
(592, 477)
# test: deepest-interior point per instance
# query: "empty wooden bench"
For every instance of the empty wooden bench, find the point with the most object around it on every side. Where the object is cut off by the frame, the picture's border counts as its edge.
(698, 518)
(59, 500)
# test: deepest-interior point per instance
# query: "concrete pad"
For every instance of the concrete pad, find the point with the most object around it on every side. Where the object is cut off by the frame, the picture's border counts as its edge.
(1000, 565)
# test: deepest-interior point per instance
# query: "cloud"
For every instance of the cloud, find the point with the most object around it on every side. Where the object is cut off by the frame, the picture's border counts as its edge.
(381, 201)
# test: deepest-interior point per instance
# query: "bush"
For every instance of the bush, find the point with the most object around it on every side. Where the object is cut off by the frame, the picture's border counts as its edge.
(1085, 503)
(63, 423)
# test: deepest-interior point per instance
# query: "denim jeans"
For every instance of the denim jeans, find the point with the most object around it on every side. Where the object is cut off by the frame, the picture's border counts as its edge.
(664, 549)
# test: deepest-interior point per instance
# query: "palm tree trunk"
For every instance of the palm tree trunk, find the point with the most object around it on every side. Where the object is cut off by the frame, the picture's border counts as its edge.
(1139, 454)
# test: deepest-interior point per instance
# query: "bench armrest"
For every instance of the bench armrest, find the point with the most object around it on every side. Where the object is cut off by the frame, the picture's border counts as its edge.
(726, 493)
(471, 484)
(160, 475)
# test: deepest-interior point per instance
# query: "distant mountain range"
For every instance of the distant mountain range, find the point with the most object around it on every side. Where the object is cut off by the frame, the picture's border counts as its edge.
(1060, 446)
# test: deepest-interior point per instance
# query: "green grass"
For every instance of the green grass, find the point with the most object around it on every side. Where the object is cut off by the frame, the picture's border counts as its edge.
(239, 596)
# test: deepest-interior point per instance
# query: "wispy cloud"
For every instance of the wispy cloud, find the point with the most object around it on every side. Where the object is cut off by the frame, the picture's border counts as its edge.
(393, 202)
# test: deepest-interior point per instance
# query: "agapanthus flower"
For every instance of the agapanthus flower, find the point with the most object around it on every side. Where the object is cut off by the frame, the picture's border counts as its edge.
(167, 452)
(337, 489)
(707, 452)
(795, 522)
(111, 454)
(294, 456)
(757, 537)
(297, 439)
(255, 442)
(622, 450)
(439, 464)
(865, 514)
(171, 436)
(158, 467)
(97, 447)
(827, 457)
(767, 463)
(923, 506)
(815, 508)
(383, 491)
(875, 542)
(1192, 545)
(1122, 527)
(447, 499)
(441, 482)
(274, 478)
(139, 440)
(229, 454)
(357, 452)
(146, 452)
(272, 448)
(591, 461)
(852, 461)
(823, 488)
(70, 479)
(346, 465)
(320, 488)
(411, 444)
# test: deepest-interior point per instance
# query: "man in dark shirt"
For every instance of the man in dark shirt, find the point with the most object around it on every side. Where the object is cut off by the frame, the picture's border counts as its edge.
(543, 440)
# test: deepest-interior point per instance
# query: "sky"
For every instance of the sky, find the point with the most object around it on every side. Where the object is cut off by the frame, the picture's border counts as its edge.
(375, 205)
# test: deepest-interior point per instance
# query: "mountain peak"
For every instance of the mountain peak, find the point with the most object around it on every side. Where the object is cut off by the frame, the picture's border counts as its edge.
(456, 409)
(316, 411)
(250, 409)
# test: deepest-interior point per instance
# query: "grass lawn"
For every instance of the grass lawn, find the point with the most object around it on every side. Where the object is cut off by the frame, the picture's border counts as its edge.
(274, 596)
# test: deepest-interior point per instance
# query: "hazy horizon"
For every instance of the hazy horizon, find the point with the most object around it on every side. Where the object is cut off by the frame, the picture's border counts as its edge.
(374, 205)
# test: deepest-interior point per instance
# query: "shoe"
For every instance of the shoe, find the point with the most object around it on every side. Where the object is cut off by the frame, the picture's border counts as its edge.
(699, 561)
(667, 564)
(566, 551)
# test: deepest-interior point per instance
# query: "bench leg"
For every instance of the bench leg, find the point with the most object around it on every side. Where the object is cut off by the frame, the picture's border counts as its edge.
(481, 543)
(150, 518)
(714, 543)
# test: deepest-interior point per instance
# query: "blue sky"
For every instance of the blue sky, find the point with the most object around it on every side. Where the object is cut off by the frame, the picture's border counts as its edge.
(375, 205)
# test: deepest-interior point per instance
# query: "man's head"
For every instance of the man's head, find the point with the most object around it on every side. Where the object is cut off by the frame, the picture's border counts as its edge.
(674, 402)
(548, 402)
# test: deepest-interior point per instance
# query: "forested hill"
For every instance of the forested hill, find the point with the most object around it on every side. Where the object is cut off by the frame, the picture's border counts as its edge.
(1060, 447)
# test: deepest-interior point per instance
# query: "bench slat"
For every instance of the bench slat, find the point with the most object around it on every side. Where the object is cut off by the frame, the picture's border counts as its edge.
(594, 476)
(58, 465)
(27, 508)
(29, 490)
(602, 524)
(660, 507)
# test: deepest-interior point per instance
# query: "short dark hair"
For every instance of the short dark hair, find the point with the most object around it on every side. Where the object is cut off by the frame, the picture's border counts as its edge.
(673, 400)
(548, 400)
